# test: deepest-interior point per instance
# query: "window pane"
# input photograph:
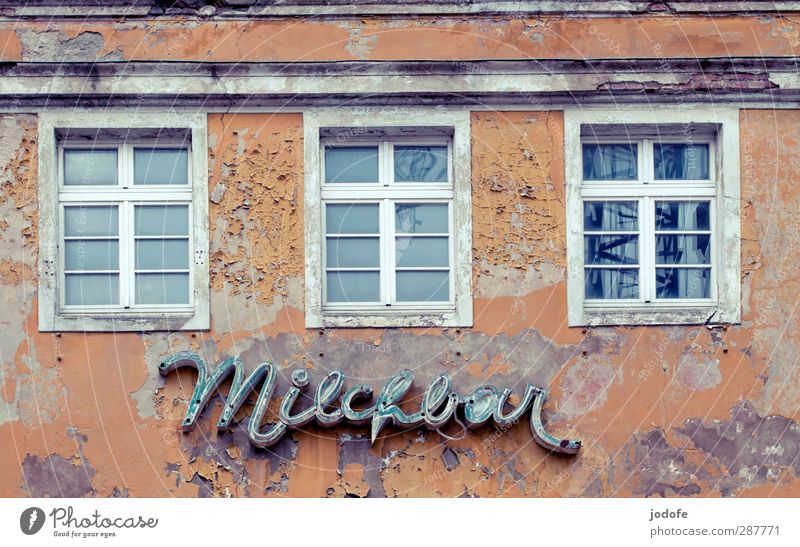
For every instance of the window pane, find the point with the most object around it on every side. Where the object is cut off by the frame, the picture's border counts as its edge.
(611, 284)
(160, 166)
(427, 218)
(91, 221)
(683, 282)
(620, 216)
(423, 286)
(171, 288)
(90, 166)
(611, 249)
(162, 254)
(683, 215)
(353, 286)
(422, 251)
(353, 252)
(161, 220)
(351, 164)
(351, 218)
(609, 162)
(420, 163)
(91, 254)
(681, 161)
(91, 289)
(683, 249)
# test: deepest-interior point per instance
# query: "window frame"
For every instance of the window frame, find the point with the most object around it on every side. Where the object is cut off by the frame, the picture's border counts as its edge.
(387, 192)
(55, 196)
(721, 190)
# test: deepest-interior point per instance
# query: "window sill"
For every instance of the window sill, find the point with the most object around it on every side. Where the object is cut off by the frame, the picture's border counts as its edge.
(127, 322)
(351, 319)
(697, 315)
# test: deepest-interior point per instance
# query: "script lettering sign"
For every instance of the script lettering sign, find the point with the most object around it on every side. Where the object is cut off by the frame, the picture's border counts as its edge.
(440, 402)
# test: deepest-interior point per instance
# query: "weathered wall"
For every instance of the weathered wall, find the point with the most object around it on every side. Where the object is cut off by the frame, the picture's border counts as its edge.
(400, 38)
(660, 410)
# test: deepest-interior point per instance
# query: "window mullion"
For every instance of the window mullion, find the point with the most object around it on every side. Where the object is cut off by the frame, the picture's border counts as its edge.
(124, 166)
(388, 162)
(383, 162)
(387, 247)
(124, 259)
(647, 263)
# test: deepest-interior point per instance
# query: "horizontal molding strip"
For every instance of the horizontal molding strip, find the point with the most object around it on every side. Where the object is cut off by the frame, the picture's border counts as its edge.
(414, 82)
(240, 9)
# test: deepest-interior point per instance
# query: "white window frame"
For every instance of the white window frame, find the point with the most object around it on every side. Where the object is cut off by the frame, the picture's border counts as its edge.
(54, 314)
(456, 192)
(722, 191)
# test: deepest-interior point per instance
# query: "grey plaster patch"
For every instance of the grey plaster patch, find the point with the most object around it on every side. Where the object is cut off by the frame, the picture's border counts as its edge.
(498, 280)
(41, 396)
(656, 468)
(750, 446)
(218, 192)
(698, 374)
(449, 458)
(236, 312)
(52, 45)
(356, 449)
(157, 346)
(360, 46)
(56, 477)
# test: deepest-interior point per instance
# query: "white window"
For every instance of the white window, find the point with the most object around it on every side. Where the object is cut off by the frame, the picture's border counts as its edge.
(387, 247)
(127, 253)
(653, 244)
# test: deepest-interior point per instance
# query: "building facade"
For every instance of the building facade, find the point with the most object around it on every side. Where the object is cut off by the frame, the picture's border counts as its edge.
(594, 198)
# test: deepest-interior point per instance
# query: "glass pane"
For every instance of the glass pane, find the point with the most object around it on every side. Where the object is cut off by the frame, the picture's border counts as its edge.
(423, 286)
(422, 251)
(161, 220)
(683, 215)
(683, 282)
(353, 252)
(683, 249)
(611, 284)
(611, 249)
(162, 254)
(420, 163)
(349, 218)
(171, 288)
(91, 221)
(620, 216)
(160, 166)
(427, 218)
(351, 164)
(91, 254)
(91, 289)
(609, 162)
(89, 166)
(681, 161)
(353, 286)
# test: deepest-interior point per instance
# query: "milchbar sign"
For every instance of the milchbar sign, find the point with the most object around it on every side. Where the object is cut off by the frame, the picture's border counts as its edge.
(440, 403)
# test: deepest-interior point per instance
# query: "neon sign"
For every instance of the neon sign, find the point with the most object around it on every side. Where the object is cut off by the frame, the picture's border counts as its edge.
(440, 402)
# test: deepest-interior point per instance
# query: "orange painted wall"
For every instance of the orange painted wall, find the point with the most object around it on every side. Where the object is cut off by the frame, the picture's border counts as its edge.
(401, 38)
(662, 411)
